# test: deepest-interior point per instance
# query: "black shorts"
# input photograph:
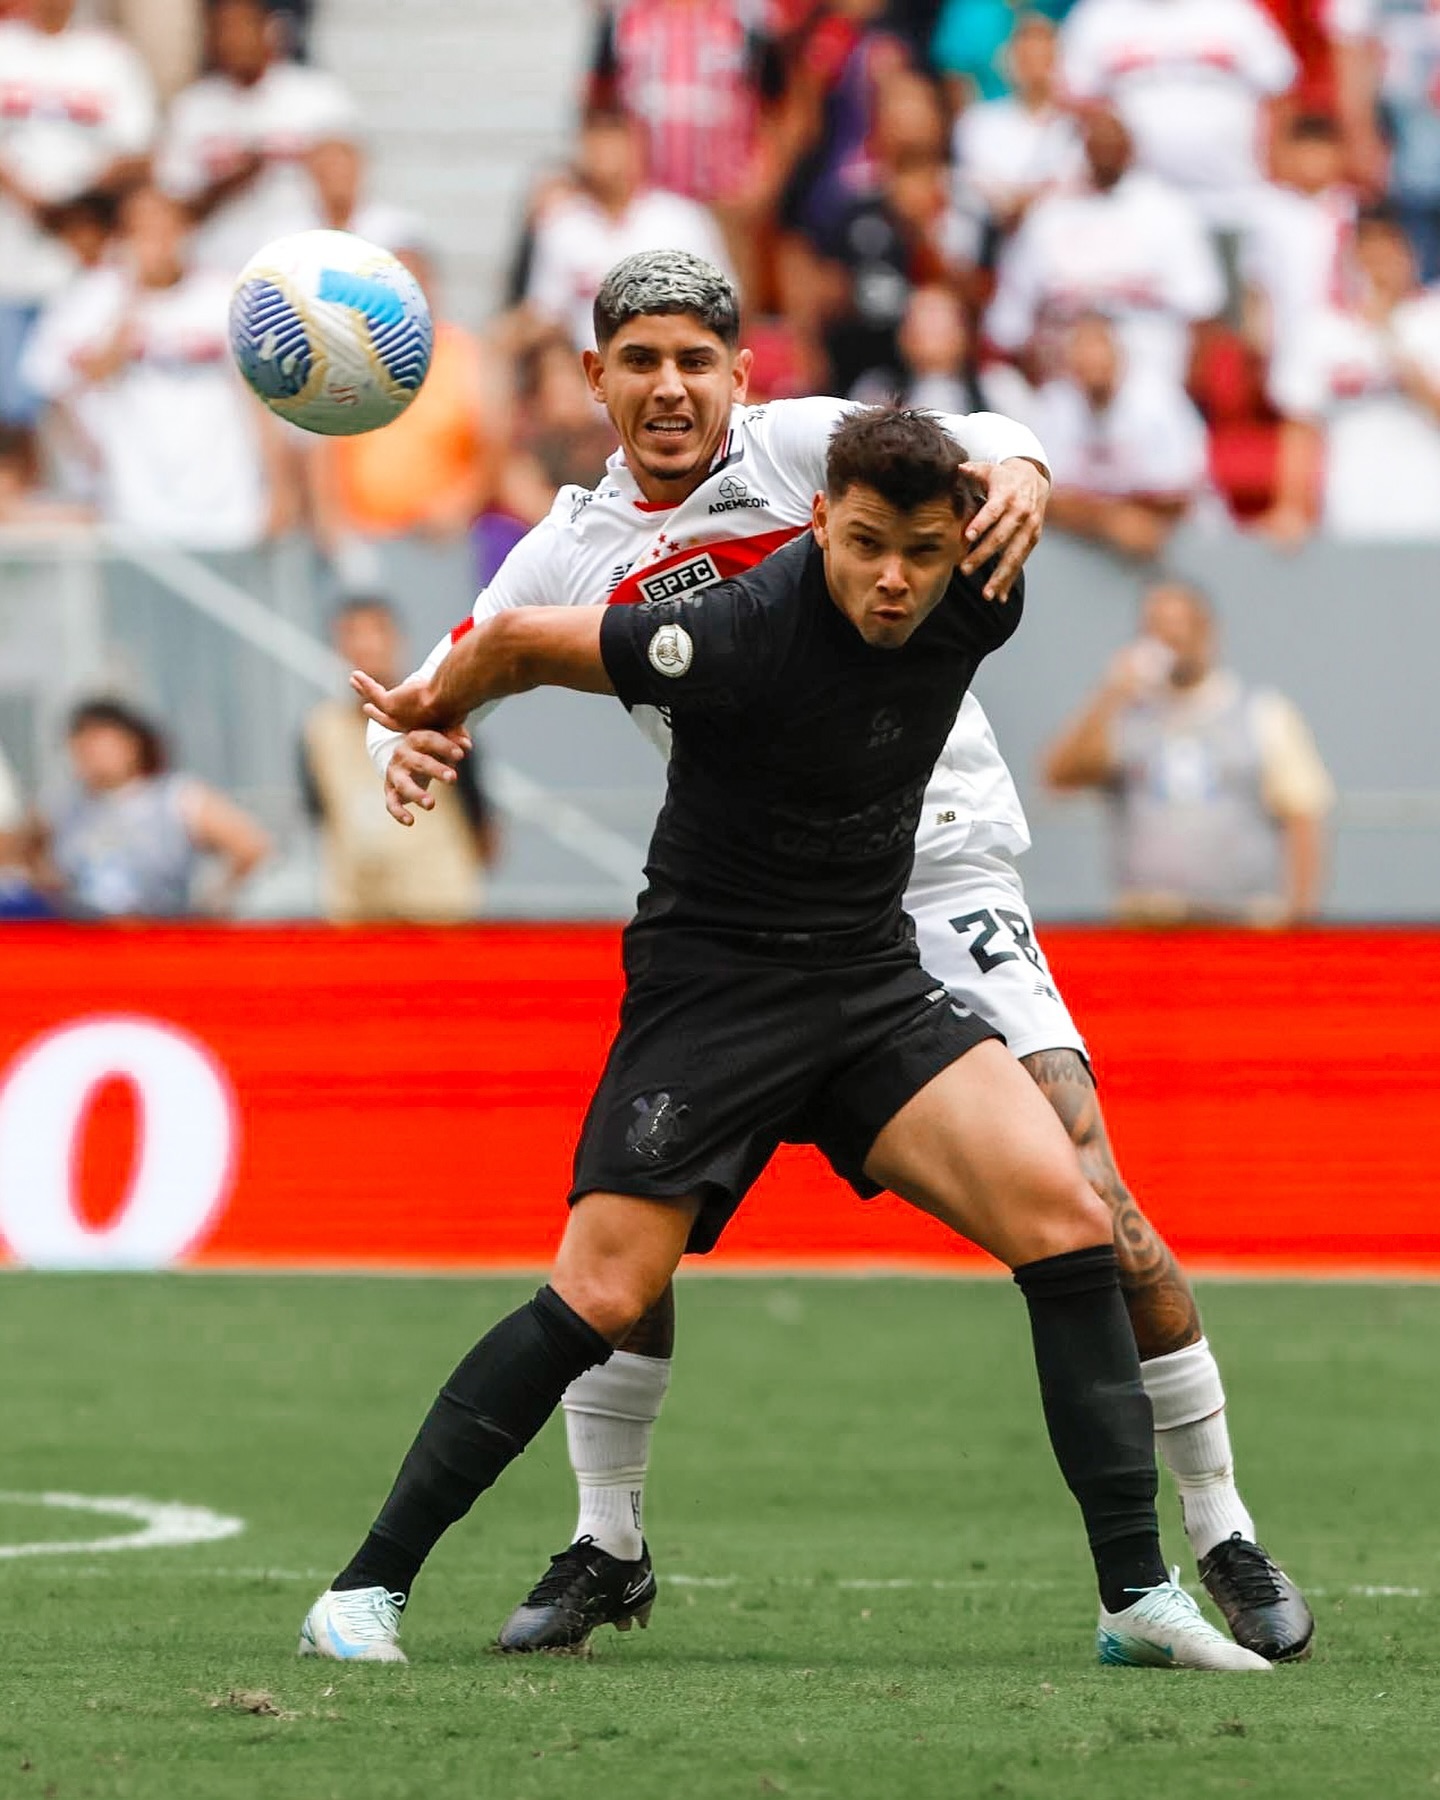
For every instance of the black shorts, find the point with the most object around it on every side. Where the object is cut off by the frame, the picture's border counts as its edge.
(715, 1065)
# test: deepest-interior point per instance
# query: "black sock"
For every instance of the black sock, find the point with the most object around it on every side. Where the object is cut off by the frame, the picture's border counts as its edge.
(483, 1417)
(1097, 1413)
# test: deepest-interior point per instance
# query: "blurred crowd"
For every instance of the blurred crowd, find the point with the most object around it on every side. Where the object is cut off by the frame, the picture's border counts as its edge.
(1190, 241)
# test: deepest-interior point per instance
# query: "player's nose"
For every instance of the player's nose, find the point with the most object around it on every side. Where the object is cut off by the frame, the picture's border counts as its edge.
(891, 579)
(669, 383)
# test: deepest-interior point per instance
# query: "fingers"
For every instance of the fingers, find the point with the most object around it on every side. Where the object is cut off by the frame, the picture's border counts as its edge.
(447, 747)
(381, 717)
(1003, 578)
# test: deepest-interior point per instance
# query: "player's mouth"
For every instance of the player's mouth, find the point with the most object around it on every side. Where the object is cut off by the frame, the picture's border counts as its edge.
(668, 430)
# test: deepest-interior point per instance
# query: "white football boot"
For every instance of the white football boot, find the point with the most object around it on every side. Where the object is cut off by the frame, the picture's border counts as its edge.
(1165, 1629)
(354, 1625)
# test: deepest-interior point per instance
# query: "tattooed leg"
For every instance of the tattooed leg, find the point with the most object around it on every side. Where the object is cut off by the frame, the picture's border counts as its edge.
(653, 1333)
(1157, 1291)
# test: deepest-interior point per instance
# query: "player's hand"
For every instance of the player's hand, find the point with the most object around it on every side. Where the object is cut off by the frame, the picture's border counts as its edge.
(409, 707)
(1009, 524)
(418, 759)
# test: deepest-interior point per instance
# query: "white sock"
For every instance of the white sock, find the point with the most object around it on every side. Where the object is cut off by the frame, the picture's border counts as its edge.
(1194, 1441)
(610, 1412)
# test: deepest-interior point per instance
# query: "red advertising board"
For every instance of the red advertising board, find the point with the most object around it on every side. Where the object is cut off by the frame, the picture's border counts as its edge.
(301, 1097)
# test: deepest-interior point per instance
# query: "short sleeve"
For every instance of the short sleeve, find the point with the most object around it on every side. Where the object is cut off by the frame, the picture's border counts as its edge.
(132, 128)
(697, 653)
(179, 167)
(1175, 451)
(1299, 385)
(12, 810)
(1082, 65)
(1194, 280)
(1269, 61)
(1010, 320)
(1295, 782)
(990, 437)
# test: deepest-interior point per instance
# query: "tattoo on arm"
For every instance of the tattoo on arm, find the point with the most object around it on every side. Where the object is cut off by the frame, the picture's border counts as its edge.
(1157, 1290)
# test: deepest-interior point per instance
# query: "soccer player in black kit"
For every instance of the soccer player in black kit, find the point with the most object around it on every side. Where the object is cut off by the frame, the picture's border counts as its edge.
(773, 993)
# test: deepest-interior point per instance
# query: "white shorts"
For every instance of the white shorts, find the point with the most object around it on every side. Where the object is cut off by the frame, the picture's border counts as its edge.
(976, 935)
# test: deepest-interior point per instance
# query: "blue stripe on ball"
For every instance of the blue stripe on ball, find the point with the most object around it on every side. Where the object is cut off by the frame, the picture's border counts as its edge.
(270, 342)
(375, 300)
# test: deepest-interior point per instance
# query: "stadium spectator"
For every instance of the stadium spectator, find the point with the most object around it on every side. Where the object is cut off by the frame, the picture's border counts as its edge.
(1126, 447)
(170, 36)
(78, 116)
(886, 242)
(608, 215)
(698, 75)
(560, 427)
(136, 360)
(841, 60)
(431, 471)
(1394, 46)
(1296, 255)
(129, 837)
(936, 354)
(1191, 79)
(19, 898)
(234, 150)
(1217, 792)
(373, 872)
(971, 43)
(341, 201)
(1360, 393)
(1009, 150)
(1123, 244)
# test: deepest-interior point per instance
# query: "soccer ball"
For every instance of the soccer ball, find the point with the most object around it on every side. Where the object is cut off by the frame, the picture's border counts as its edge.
(330, 332)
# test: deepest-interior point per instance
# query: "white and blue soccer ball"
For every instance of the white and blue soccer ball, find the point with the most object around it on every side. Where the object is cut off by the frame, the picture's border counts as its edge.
(331, 332)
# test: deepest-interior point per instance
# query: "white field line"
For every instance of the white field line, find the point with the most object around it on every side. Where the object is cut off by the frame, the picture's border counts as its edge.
(853, 1584)
(163, 1524)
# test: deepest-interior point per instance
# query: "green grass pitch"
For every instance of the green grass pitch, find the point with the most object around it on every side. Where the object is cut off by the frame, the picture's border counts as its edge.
(873, 1583)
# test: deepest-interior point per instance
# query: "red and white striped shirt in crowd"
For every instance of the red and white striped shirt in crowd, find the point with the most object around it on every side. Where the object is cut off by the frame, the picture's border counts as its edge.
(689, 71)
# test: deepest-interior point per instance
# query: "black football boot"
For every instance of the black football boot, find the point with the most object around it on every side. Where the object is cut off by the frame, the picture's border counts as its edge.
(1264, 1609)
(583, 1587)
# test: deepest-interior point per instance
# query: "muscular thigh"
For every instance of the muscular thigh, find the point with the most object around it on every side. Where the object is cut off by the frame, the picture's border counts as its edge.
(979, 1149)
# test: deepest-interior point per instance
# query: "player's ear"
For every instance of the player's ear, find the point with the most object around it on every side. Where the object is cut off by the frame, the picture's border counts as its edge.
(594, 367)
(820, 520)
(740, 375)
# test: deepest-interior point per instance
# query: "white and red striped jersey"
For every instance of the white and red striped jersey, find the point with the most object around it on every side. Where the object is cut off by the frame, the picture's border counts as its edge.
(687, 73)
(610, 543)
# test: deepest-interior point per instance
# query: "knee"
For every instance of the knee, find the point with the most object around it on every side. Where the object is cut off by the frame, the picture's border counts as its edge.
(1064, 1213)
(612, 1297)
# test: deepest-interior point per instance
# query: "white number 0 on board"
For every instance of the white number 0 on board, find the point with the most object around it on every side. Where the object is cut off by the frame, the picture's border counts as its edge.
(184, 1155)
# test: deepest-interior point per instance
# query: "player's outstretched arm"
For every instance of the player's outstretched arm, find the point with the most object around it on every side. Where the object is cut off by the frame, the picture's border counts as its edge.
(508, 654)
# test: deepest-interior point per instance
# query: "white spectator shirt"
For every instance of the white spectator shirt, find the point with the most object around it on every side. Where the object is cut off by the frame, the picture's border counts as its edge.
(577, 243)
(71, 102)
(1003, 149)
(1294, 253)
(1137, 252)
(1382, 449)
(609, 543)
(1149, 440)
(176, 434)
(1187, 77)
(215, 123)
(391, 227)
(12, 808)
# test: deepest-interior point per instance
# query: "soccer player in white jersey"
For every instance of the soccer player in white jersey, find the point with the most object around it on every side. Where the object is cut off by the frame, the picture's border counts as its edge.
(703, 488)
